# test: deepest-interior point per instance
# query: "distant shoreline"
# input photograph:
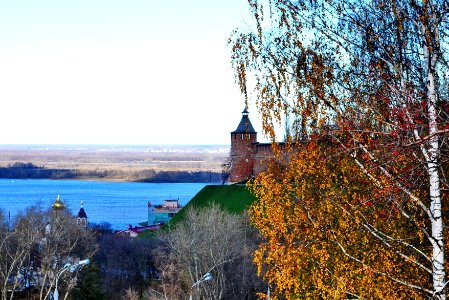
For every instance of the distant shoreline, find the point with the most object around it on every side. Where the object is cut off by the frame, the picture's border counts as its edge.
(128, 163)
(20, 170)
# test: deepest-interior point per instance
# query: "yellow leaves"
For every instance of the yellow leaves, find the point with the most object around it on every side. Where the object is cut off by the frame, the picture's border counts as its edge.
(421, 236)
(316, 245)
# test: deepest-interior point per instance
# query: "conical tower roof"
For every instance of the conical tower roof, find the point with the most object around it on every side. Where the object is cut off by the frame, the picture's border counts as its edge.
(245, 125)
(82, 213)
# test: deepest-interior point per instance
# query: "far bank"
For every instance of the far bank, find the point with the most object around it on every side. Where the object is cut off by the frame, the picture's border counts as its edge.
(20, 170)
(138, 163)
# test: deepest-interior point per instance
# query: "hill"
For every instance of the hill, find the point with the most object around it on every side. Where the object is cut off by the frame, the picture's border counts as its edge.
(233, 198)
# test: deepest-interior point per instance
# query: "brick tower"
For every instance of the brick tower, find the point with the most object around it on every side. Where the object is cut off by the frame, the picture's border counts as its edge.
(243, 150)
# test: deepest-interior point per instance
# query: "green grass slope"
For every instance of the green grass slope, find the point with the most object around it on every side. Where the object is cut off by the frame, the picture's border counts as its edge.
(233, 198)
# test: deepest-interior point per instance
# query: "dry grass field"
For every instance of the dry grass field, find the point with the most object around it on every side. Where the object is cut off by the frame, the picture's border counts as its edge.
(128, 163)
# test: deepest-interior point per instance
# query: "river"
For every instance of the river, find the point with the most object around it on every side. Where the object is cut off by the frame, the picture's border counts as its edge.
(119, 203)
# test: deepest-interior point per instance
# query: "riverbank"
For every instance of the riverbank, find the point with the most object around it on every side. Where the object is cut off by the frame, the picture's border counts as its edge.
(21, 170)
(114, 163)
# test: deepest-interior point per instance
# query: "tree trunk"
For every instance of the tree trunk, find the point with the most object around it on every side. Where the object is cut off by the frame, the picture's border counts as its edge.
(438, 271)
(433, 162)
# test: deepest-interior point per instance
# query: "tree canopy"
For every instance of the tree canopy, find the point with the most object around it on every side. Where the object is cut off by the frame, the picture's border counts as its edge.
(369, 80)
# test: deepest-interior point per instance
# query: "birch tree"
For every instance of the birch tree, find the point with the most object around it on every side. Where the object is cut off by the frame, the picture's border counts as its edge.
(372, 76)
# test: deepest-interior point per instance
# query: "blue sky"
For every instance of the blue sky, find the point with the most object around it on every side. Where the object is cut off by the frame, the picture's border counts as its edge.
(119, 72)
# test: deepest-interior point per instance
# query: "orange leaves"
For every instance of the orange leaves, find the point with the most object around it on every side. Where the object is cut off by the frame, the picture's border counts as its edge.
(290, 224)
(319, 224)
(353, 215)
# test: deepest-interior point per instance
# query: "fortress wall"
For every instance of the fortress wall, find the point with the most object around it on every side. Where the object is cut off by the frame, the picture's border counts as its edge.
(263, 153)
(242, 156)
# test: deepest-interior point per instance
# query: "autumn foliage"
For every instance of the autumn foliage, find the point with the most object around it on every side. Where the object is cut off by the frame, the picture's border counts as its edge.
(357, 209)
(330, 233)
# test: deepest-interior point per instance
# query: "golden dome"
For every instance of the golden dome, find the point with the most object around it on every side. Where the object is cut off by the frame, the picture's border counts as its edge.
(58, 203)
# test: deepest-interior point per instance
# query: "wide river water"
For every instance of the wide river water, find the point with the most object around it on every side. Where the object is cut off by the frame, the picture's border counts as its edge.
(119, 203)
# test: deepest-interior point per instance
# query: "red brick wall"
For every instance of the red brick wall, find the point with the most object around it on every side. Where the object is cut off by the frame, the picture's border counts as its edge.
(249, 158)
(243, 149)
(262, 154)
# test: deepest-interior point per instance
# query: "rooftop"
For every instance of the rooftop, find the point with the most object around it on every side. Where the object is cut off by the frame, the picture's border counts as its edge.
(245, 125)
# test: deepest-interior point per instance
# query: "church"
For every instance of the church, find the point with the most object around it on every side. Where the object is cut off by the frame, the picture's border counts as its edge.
(248, 157)
(81, 218)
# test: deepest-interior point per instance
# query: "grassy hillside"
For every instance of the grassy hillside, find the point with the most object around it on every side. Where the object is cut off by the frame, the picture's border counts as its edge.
(233, 198)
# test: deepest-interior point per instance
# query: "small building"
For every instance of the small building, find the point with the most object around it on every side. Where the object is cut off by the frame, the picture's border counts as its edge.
(163, 213)
(81, 219)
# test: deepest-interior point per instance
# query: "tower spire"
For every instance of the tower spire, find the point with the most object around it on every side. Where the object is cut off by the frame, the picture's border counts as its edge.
(245, 125)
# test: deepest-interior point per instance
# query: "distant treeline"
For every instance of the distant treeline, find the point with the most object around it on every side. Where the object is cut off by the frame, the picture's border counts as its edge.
(183, 176)
(29, 170)
(22, 170)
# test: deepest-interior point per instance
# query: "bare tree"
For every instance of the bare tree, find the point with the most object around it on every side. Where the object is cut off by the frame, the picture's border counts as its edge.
(125, 264)
(64, 242)
(210, 240)
(36, 250)
(16, 248)
(226, 169)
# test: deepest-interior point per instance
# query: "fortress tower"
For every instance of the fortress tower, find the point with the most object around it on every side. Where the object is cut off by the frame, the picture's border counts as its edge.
(243, 150)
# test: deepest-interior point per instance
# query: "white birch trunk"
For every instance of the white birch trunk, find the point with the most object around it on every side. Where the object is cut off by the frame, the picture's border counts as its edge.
(433, 161)
(438, 271)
